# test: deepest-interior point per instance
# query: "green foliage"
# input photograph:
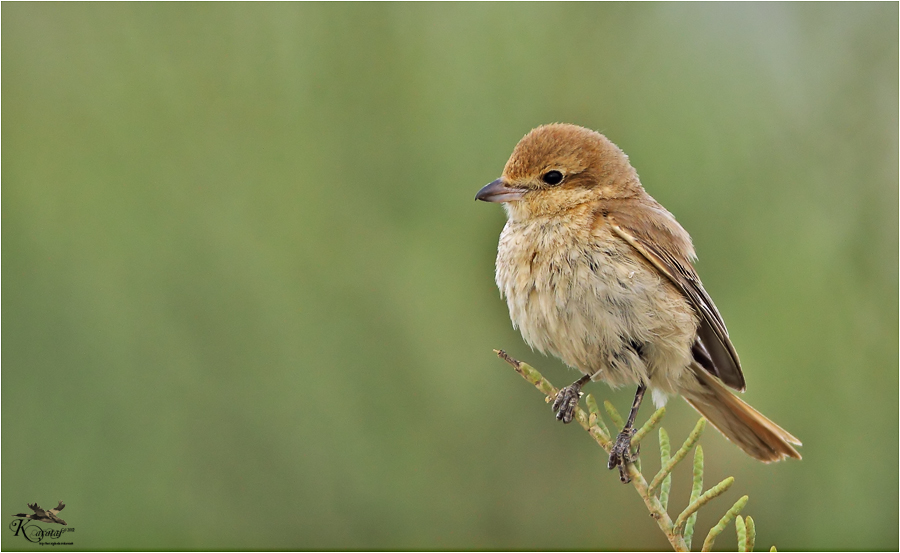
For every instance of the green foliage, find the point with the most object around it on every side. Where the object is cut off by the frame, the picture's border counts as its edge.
(680, 454)
(614, 414)
(696, 490)
(656, 494)
(746, 533)
(664, 455)
(648, 427)
(723, 523)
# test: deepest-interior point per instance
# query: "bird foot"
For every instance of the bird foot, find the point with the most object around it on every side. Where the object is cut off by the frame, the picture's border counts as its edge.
(566, 401)
(621, 454)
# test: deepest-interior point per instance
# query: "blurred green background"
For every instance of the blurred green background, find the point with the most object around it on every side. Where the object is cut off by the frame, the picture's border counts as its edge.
(250, 298)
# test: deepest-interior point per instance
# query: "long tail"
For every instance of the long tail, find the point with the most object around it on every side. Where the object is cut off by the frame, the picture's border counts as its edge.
(736, 420)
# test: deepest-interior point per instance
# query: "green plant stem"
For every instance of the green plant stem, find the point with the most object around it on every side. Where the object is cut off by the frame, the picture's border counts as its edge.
(648, 427)
(614, 415)
(665, 452)
(723, 522)
(710, 494)
(657, 511)
(750, 544)
(680, 532)
(679, 455)
(595, 426)
(696, 490)
(741, 531)
(530, 374)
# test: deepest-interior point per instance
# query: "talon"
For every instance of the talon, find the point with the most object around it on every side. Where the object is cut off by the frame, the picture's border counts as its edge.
(621, 454)
(565, 403)
(567, 400)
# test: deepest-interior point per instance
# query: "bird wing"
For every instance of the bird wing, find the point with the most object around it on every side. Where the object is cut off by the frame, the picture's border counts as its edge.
(714, 352)
(58, 508)
(37, 509)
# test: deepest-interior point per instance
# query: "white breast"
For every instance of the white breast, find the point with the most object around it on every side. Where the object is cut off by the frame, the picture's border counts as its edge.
(598, 306)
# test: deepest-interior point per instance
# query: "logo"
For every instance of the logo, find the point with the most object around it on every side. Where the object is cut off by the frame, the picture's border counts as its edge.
(25, 525)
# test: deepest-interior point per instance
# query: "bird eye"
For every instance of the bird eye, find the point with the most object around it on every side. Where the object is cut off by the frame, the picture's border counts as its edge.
(552, 177)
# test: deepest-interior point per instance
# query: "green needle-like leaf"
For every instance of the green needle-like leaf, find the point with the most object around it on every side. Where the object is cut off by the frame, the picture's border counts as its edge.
(614, 415)
(679, 532)
(710, 494)
(679, 455)
(596, 419)
(591, 404)
(665, 451)
(696, 490)
(723, 523)
(741, 534)
(648, 426)
(751, 534)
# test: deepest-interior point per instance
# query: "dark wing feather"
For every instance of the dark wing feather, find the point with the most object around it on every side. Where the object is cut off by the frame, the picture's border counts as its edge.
(714, 346)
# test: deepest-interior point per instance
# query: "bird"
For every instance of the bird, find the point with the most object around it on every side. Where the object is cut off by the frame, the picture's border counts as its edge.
(45, 516)
(597, 273)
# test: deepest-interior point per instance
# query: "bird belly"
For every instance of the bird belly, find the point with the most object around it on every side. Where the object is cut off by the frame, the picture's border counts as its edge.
(600, 308)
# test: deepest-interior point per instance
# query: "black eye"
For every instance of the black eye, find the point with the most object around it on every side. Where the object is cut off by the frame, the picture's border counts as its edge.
(552, 177)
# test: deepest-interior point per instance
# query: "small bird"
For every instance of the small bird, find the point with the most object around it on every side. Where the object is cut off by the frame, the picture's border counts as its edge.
(41, 515)
(599, 274)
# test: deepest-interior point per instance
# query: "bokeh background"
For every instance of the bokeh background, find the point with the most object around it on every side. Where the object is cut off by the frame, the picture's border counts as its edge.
(249, 298)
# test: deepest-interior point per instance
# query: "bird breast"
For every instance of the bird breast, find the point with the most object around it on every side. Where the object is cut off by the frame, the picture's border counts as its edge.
(586, 296)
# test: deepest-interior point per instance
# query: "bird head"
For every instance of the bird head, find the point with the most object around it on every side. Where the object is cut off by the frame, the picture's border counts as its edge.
(558, 167)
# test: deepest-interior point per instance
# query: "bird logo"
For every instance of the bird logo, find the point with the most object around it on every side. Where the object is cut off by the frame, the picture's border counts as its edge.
(41, 515)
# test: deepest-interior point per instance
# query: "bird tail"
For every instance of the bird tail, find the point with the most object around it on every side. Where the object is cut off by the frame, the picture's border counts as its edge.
(749, 429)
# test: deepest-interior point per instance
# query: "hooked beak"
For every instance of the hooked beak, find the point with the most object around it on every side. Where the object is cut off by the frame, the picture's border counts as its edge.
(498, 192)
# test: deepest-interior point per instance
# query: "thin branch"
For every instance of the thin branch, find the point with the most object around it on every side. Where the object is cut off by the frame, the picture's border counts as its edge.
(657, 512)
(680, 532)
(530, 374)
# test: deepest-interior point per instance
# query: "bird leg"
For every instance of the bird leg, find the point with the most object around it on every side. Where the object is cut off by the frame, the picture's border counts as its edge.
(621, 455)
(567, 399)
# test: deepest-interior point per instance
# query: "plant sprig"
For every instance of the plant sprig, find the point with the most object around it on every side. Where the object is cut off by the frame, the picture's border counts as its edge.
(656, 494)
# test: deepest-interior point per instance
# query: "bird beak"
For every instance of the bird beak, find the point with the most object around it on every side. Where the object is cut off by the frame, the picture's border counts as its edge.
(497, 191)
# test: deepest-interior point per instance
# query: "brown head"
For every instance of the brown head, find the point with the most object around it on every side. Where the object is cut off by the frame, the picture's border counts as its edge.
(557, 167)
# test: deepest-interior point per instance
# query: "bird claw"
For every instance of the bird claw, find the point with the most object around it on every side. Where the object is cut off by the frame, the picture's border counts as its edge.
(566, 401)
(621, 454)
